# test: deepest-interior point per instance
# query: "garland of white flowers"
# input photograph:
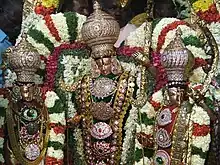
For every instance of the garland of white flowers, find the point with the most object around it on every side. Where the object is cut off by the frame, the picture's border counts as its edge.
(57, 128)
(60, 23)
(3, 107)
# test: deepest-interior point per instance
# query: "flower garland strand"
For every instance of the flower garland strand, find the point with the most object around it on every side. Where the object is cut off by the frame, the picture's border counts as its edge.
(3, 107)
(49, 23)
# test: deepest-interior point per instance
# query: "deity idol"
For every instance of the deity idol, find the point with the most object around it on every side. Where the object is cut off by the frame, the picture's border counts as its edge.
(176, 131)
(104, 97)
(26, 117)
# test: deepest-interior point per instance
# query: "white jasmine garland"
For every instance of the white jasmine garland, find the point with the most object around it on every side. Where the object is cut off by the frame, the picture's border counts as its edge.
(2, 160)
(57, 137)
(60, 23)
(157, 30)
(51, 97)
(38, 79)
(2, 121)
(41, 48)
(147, 129)
(149, 110)
(198, 76)
(200, 116)
(3, 102)
(129, 67)
(197, 52)
(197, 160)
(10, 78)
(137, 144)
(158, 96)
(58, 154)
(41, 26)
(58, 118)
(1, 142)
(130, 127)
(137, 37)
(186, 32)
(71, 108)
(81, 20)
(201, 142)
(144, 161)
(30, 21)
(217, 94)
(79, 142)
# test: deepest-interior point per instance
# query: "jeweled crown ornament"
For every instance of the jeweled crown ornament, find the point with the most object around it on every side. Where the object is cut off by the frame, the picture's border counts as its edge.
(100, 32)
(175, 59)
(24, 60)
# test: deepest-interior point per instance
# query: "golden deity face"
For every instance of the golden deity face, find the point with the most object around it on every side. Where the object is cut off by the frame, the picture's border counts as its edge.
(176, 95)
(104, 65)
(27, 91)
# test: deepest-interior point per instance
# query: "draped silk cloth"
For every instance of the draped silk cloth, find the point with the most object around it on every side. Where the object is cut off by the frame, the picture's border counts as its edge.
(4, 44)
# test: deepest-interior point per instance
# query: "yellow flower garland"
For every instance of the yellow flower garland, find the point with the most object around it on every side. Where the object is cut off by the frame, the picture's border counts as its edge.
(50, 3)
(202, 5)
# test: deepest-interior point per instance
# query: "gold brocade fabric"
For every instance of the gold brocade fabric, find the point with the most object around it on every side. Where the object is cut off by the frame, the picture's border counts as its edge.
(139, 19)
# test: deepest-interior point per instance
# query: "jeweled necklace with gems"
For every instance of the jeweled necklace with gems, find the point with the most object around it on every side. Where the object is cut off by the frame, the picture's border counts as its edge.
(102, 123)
(30, 122)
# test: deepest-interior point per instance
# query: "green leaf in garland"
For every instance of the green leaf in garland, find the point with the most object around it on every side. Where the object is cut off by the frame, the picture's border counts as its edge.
(209, 103)
(198, 151)
(155, 22)
(72, 23)
(146, 120)
(138, 154)
(2, 111)
(192, 40)
(57, 108)
(55, 145)
(39, 37)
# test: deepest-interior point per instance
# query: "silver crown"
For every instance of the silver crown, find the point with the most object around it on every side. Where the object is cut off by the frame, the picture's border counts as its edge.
(24, 60)
(175, 59)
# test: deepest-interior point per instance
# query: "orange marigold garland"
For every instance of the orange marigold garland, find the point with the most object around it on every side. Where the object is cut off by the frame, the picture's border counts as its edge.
(53, 30)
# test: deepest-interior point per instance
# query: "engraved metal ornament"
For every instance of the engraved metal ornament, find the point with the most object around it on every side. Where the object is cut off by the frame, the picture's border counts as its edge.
(164, 118)
(175, 58)
(101, 131)
(162, 156)
(103, 87)
(102, 111)
(100, 32)
(163, 138)
(32, 151)
(24, 60)
(102, 149)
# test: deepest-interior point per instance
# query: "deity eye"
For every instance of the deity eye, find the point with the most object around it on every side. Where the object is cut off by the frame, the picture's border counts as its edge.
(30, 114)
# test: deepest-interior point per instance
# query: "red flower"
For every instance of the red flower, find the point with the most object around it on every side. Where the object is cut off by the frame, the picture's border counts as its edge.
(41, 10)
(128, 51)
(52, 62)
(59, 129)
(53, 30)
(199, 62)
(200, 130)
(163, 33)
(53, 161)
(210, 15)
(155, 104)
(161, 77)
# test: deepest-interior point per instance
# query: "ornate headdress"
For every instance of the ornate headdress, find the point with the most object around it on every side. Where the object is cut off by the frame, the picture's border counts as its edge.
(24, 60)
(100, 32)
(175, 60)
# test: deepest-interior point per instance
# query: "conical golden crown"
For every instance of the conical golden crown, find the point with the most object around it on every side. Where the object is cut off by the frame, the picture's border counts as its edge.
(175, 59)
(100, 32)
(24, 60)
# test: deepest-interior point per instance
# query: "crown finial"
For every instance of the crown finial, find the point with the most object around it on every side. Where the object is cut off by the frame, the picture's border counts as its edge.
(96, 5)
